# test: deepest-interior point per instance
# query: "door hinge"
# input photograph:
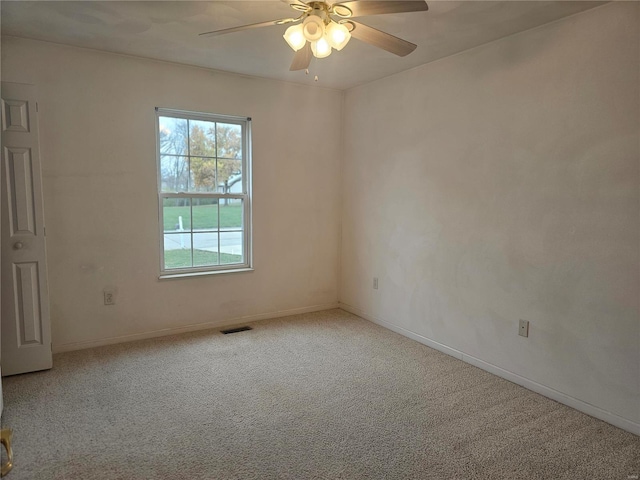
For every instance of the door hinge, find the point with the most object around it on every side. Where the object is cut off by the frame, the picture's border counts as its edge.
(37, 107)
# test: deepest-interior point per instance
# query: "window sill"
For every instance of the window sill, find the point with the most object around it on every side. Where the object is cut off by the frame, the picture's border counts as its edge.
(168, 276)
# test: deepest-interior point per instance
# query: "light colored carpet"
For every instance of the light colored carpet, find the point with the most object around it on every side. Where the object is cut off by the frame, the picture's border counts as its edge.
(325, 395)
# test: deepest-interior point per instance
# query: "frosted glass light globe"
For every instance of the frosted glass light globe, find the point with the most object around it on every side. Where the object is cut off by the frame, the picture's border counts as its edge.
(337, 35)
(321, 48)
(295, 37)
(313, 28)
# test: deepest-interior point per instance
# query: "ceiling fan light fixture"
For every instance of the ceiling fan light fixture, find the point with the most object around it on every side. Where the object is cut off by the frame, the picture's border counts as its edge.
(313, 28)
(294, 36)
(327, 25)
(337, 35)
(321, 48)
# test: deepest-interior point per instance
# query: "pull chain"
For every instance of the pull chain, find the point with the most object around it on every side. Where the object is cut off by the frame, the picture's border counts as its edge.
(315, 78)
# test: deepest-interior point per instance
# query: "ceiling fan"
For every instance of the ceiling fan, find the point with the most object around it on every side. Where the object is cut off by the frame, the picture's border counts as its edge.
(323, 27)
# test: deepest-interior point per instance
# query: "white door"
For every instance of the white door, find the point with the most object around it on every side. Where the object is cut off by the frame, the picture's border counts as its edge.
(26, 328)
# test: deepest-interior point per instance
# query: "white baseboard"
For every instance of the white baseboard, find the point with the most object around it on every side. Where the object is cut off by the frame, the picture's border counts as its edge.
(230, 322)
(548, 392)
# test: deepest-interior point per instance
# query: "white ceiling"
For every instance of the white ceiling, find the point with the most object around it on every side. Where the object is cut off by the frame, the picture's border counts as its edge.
(169, 31)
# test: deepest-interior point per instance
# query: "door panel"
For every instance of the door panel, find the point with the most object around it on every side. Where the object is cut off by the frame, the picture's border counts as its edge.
(15, 115)
(27, 301)
(26, 329)
(21, 204)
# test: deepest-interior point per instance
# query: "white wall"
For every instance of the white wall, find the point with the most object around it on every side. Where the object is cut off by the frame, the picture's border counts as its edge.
(99, 168)
(502, 184)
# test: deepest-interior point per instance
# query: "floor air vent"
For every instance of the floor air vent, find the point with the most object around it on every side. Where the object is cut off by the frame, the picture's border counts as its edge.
(236, 330)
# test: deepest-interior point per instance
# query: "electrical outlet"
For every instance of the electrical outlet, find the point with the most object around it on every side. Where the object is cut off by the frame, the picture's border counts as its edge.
(109, 297)
(523, 329)
(375, 283)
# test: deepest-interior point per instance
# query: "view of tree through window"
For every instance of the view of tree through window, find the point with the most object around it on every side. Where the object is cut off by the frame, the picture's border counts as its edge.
(203, 190)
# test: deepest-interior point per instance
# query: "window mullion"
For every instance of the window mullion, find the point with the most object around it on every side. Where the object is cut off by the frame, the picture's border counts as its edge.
(189, 156)
(191, 229)
(216, 152)
(219, 252)
(224, 191)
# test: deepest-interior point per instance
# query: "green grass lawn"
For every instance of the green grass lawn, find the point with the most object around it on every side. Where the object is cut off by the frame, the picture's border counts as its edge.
(205, 216)
(182, 258)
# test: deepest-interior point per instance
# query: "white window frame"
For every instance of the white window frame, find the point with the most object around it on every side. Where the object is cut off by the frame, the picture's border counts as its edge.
(245, 123)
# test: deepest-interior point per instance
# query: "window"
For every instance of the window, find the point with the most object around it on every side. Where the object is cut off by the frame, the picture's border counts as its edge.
(204, 186)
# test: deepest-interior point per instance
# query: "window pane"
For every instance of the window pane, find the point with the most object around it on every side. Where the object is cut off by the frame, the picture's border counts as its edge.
(231, 213)
(205, 214)
(230, 175)
(177, 250)
(229, 138)
(203, 175)
(205, 249)
(172, 135)
(176, 213)
(202, 138)
(231, 247)
(173, 171)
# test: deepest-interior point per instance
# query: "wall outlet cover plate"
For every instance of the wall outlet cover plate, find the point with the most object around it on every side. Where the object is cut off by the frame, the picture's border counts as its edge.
(523, 328)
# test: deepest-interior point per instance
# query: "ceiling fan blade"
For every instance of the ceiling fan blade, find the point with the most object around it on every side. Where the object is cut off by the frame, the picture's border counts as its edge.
(362, 8)
(381, 39)
(298, 5)
(291, 2)
(302, 58)
(246, 27)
